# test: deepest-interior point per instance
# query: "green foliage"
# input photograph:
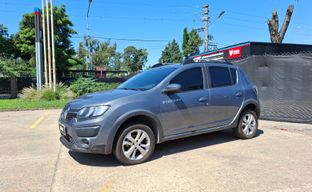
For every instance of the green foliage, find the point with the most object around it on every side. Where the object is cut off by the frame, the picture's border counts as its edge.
(30, 93)
(62, 93)
(191, 43)
(104, 54)
(7, 48)
(134, 58)
(14, 67)
(20, 104)
(25, 39)
(3, 31)
(87, 85)
(185, 43)
(118, 63)
(50, 95)
(88, 45)
(171, 53)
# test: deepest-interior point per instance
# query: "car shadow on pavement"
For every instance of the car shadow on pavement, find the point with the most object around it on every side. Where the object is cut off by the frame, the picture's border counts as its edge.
(195, 142)
(94, 159)
(163, 149)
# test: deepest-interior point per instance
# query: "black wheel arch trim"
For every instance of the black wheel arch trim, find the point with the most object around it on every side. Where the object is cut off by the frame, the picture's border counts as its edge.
(131, 114)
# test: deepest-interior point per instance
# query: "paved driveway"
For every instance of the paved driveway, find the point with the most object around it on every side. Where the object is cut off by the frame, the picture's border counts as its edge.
(32, 159)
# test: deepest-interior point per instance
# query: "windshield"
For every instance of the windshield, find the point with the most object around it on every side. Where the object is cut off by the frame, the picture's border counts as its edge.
(147, 79)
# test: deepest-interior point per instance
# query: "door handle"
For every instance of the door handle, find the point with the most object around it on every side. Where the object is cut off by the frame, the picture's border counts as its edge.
(239, 94)
(203, 99)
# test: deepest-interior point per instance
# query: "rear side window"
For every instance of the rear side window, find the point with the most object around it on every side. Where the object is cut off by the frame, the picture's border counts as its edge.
(191, 79)
(220, 76)
(233, 76)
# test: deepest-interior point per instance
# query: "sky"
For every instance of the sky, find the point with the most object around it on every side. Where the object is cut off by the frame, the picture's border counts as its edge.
(161, 21)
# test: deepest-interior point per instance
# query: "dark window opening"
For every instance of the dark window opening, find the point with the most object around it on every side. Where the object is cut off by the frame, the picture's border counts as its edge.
(191, 79)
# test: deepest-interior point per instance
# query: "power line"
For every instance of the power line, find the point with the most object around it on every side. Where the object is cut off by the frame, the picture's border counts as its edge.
(123, 39)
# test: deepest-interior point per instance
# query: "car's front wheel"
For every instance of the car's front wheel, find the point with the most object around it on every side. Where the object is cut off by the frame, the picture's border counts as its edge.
(247, 126)
(135, 144)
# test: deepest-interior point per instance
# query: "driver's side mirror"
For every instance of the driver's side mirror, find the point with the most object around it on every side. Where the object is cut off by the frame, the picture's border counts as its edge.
(172, 88)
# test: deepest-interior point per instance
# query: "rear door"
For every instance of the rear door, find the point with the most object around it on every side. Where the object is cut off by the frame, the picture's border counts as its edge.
(226, 95)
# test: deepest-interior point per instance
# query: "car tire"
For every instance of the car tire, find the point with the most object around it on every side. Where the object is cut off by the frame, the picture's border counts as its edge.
(247, 126)
(135, 144)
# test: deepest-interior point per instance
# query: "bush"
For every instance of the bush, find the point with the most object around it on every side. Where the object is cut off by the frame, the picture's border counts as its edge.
(50, 95)
(31, 93)
(87, 85)
(62, 92)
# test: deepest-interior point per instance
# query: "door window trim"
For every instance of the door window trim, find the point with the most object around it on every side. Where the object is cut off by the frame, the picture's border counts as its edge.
(205, 85)
(210, 81)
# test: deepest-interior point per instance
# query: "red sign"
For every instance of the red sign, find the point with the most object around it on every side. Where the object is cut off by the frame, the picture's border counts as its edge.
(235, 53)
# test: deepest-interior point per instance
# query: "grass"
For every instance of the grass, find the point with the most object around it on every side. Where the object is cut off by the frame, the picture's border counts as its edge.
(20, 104)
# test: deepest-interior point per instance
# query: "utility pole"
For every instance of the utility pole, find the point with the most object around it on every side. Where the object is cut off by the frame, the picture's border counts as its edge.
(38, 49)
(206, 24)
(89, 67)
(53, 47)
(49, 46)
(206, 21)
(44, 46)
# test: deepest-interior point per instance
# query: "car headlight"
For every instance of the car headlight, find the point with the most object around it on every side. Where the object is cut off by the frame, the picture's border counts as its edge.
(92, 111)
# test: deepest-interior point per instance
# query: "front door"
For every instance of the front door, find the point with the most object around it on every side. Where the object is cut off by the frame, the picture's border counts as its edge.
(182, 112)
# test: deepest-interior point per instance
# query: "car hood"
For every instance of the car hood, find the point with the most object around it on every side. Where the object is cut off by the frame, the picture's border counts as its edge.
(100, 98)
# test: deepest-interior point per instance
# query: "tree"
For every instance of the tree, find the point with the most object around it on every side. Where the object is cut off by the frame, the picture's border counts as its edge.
(118, 63)
(194, 42)
(278, 36)
(25, 39)
(86, 49)
(185, 43)
(191, 43)
(7, 49)
(11, 67)
(171, 53)
(3, 31)
(134, 59)
(104, 55)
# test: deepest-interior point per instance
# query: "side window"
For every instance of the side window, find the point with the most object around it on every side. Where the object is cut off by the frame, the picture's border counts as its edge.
(233, 76)
(220, 76)
(191, 79)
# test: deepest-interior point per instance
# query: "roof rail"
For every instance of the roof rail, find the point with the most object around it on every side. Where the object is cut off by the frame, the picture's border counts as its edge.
(201, 60)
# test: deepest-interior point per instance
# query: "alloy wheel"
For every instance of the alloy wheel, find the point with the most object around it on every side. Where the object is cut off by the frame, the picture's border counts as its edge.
(136, 144)
(249, 124)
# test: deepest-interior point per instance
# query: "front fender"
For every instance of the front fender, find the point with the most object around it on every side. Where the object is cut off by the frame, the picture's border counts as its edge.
(122, 119)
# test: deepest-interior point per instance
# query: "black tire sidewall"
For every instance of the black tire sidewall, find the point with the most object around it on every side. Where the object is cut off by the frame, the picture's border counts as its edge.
(118, 147)
(239, 130)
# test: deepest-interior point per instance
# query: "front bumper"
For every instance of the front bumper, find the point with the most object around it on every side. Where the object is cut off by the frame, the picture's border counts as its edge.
(99, 149)
(87, 139)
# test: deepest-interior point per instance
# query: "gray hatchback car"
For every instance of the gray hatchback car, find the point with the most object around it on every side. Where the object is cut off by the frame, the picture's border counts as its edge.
(164, 103)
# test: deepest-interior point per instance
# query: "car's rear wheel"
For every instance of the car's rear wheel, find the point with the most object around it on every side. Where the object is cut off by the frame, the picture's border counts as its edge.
(135, 144)
(247, 126)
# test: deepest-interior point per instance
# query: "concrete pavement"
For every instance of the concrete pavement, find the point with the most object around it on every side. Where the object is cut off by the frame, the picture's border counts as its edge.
(278, 159)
